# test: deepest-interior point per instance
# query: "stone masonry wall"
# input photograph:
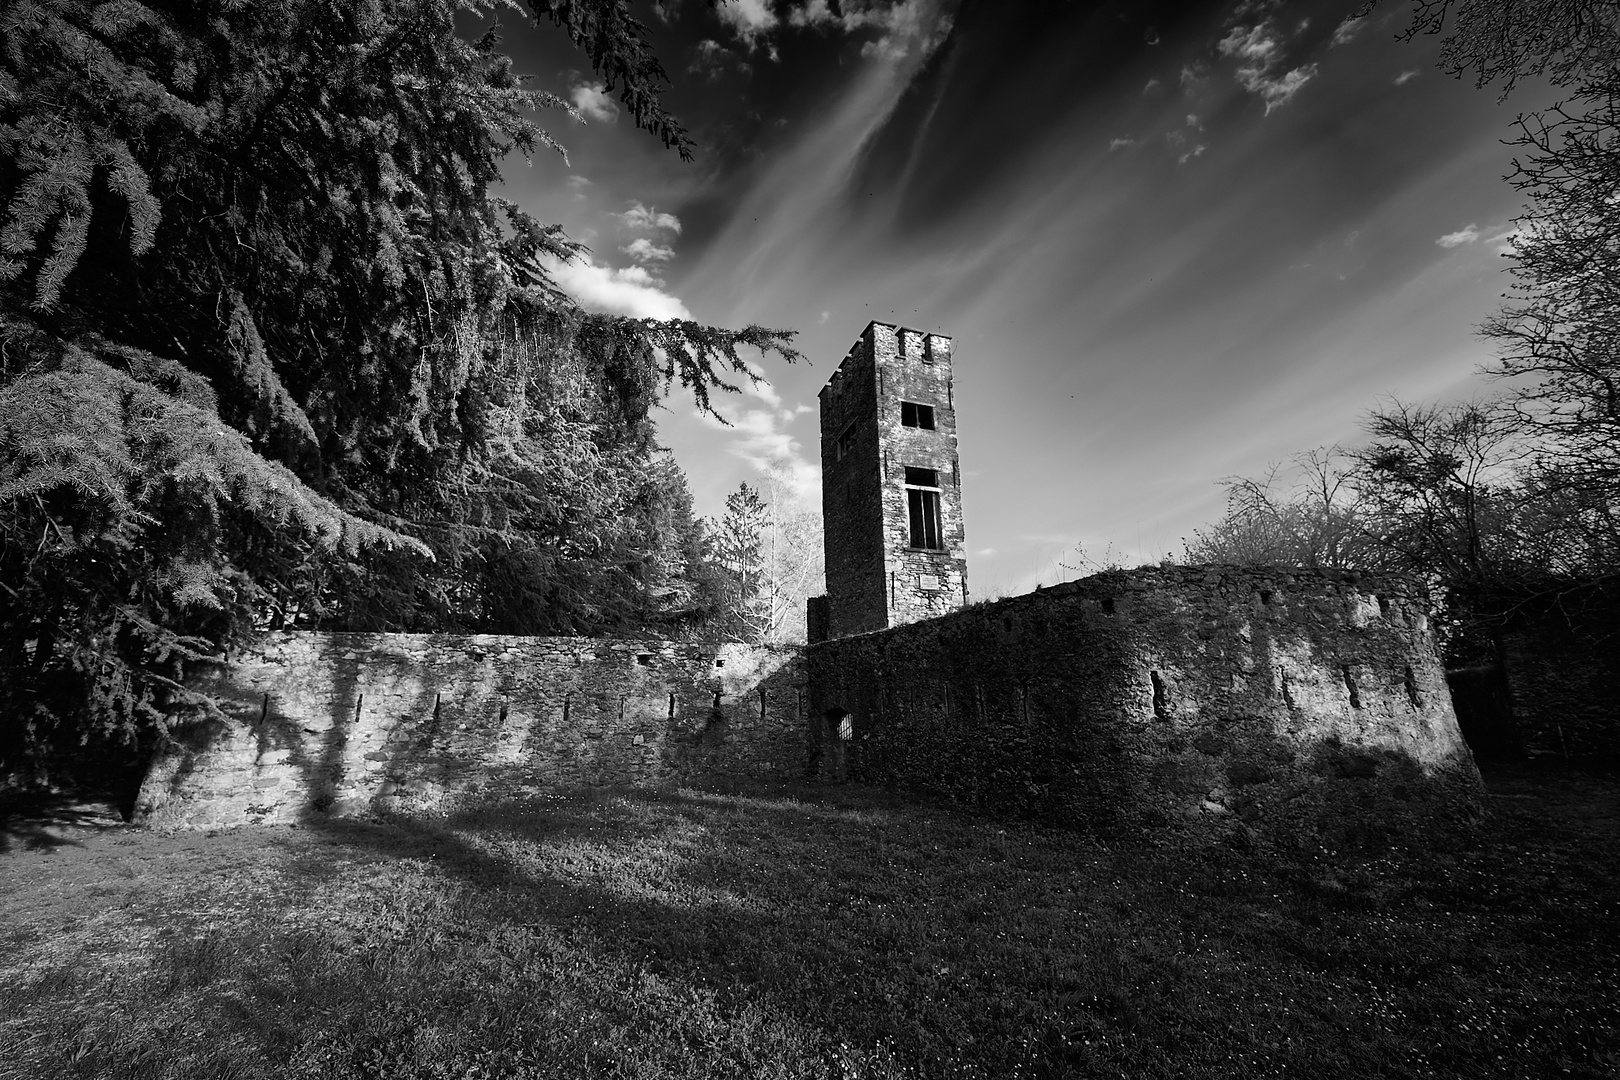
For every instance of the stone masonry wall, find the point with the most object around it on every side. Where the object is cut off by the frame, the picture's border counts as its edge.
(913, 366)
(345, 723)
(875, 578)
(1290, 700)
(852, 495)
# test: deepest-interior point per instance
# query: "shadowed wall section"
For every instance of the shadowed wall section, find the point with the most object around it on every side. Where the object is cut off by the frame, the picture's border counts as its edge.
(1285, 697)
(344, 723)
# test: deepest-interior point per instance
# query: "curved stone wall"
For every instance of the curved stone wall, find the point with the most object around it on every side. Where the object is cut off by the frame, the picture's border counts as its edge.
(1158, 695)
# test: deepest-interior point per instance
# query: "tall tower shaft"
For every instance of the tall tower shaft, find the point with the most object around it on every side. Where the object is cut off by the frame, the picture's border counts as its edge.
(891, 483)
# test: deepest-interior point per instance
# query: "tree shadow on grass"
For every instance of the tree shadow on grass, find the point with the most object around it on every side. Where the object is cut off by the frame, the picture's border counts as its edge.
(34, 822)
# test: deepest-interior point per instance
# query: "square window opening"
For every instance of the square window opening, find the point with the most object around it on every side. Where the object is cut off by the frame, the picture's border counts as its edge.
(914, 414)
(845, 445)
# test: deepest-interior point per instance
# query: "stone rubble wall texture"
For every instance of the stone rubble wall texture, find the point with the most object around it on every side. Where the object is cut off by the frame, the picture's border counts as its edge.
(875, 579)
(1563, 675)
(1286, 700)
(341, 723)
(852, 527)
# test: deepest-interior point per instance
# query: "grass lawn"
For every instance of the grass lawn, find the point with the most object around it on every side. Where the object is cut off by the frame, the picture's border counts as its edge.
(810, 932)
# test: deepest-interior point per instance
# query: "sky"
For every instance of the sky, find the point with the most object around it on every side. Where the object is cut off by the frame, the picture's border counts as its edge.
(1174, 242)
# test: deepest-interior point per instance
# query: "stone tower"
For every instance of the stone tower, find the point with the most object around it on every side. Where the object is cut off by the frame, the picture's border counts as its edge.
(891, 485)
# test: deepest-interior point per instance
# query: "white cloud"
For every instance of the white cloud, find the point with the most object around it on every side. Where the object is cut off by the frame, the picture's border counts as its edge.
(648, 219)
(904, 25)
(1346, 31)
(1254, 45)
(763, 390)
(825, 315)
(1460, 237)
(1120, 144)
(748, 18)
(1152, 85)
(1405, 77)
(1184, 147)
(631, 291)
(1506, 241)
(1260, 68)
(760, 437)
(593, 103)
(643, 250)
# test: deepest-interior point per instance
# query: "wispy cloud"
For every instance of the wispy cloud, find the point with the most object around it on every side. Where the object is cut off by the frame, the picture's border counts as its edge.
(592, 102)
(1506, 241)
(760, 437)
(748, 19)
(1120, 143)
(710, 59)
(648, 219)
(1346, 31)
(904, 26)
(643, 250)
(629, 291)
(1405, 77)
(1260, 64)
(1466, 235)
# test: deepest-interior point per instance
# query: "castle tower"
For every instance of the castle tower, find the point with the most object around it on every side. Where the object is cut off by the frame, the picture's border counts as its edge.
(891, 485)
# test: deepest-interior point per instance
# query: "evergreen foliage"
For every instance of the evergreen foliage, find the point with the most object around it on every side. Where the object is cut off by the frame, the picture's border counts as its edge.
(274, 355)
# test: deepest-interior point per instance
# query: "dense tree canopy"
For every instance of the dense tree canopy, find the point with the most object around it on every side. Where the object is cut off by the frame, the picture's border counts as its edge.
(272, 354)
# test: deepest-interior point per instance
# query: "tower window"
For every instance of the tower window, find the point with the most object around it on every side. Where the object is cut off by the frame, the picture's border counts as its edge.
(845, 445)
(922, 508)
(915, 415)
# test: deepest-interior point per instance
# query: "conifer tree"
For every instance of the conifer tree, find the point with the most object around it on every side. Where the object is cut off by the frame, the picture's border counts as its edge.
(272, 353)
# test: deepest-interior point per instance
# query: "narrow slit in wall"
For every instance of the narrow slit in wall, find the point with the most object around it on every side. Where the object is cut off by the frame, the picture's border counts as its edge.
(1413, 694)
(359, 703)
(1161, 710)
(1350, 685)
(568, 708)
(438, 704)
(762, 703)
(672, 706)
(503, 712)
